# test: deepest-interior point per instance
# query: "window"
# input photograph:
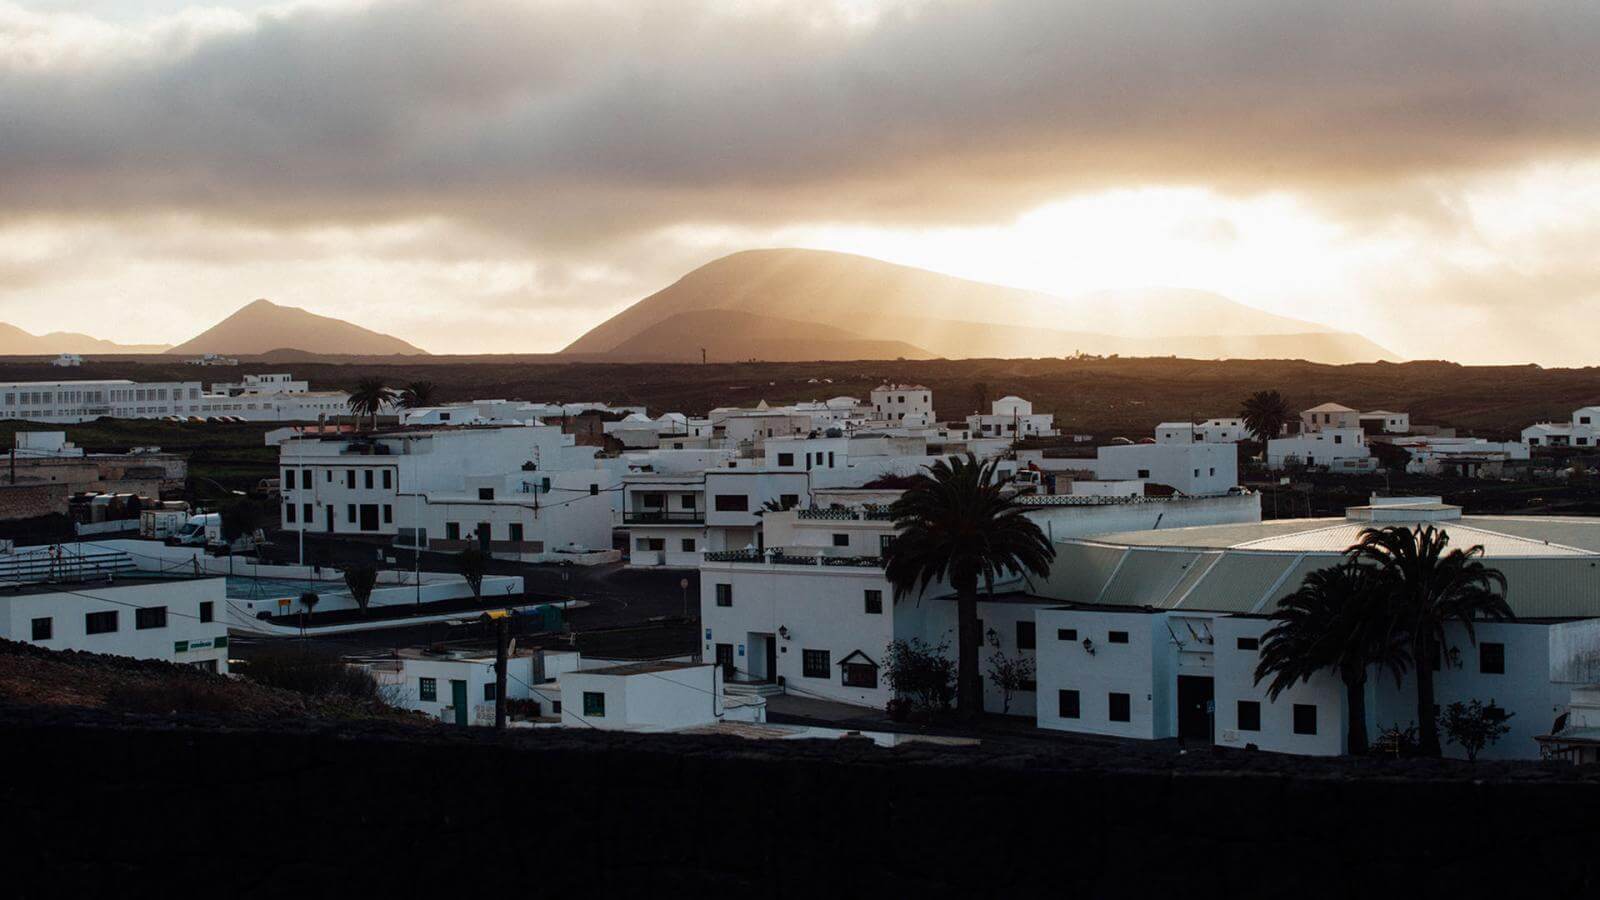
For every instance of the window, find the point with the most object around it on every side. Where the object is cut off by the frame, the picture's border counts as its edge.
(1245, 643)
(350, 513)
(486, 493)
(288, 479)
(388, 479)
(788, 501)
(514, 532)
(650, 544)
(686, 501)
(688, 545)
(860, 675)
(732, 503)
(307, 513)
(150, 617)
(329, 473)
(785, 459)
(489, 692)
(841, 540)
(1068, 703)
(427, 689)
(43, 629)
(1249, 715)
(1118, 708)
(366, 479)
(1492, 658)
(1305, 718)
(874, 602)
(724, 595)
(1066, 634)
(350, 479)
(452, 531)
(594, 490)
(100, 622)
(1117, 637)
(388, 514)
(1026, 639)
(1144, 473)
(207, 610)
(594, 704)
(814, 663)
(288, 513)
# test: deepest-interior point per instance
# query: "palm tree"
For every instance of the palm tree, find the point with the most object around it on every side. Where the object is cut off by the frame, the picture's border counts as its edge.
(955, 525)
(370, 397)
(1265, 413)
(1340, 619)
(1430, 588)
(418, 394)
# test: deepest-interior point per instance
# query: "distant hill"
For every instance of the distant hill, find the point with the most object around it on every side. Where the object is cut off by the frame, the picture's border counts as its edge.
(16, 342)
(264, 326)
(871, 300)
(729, 334)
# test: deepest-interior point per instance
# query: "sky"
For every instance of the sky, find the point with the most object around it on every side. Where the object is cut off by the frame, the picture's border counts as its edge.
(495, 176)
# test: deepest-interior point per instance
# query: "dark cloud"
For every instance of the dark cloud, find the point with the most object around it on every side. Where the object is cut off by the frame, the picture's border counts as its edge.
(580, 122)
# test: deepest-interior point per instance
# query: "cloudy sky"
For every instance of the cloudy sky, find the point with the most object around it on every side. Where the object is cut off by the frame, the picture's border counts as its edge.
(489, 175)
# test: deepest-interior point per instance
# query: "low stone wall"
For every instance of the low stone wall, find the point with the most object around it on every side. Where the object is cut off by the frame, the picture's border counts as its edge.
(365, 810)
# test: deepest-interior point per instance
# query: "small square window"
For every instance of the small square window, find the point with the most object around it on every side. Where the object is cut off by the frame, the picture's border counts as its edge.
(1117, 637)
(489, 690)
(1068, 702)
(1305, 718)
(594, 704)
(1025, 636)
(486, 493)
(1492, 658)
(1249, 643)
(1249, 715)
(1066, 634)
(100, 622)
(1119, 708)
(874, 602)
(841, 540)
(688, 545)
(43, 629)
(724, 595)
(427, 689)
(814, 663)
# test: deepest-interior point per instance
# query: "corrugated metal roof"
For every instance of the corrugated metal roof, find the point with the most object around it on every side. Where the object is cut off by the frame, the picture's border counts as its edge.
(1191, 578)
(1146, 577)
(1080, 571)
(1337, 538)
(1212, 537)
(1552, 588)
(1570, 531)
(1238, 582)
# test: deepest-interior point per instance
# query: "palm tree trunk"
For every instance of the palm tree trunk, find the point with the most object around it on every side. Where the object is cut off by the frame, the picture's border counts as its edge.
(1427, 722)
(969, 684)
(1355, 704)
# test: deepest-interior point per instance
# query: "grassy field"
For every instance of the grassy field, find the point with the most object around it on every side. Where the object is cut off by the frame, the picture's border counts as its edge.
(1104, 397)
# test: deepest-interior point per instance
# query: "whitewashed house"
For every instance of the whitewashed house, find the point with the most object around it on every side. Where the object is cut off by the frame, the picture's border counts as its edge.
(1582, 430)
(1386, 422)
(1013, 418)
(1196, 469)
(905, 404)
(652, 696)
(1211, 431)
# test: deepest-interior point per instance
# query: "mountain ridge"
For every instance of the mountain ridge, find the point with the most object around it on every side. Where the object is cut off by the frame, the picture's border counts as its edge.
(15, 341)
(262, 326)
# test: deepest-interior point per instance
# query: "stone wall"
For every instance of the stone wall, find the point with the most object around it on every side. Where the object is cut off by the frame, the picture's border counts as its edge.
(27, 501)
(363, 811)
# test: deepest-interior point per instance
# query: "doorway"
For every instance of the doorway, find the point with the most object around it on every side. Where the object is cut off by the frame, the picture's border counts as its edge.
(725, 661)
(1196, 707)
(458, 700)
(483, 536)
(369, 517)
(772, 660)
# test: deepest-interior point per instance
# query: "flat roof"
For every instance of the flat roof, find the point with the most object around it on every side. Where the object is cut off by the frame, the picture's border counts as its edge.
(642, 668)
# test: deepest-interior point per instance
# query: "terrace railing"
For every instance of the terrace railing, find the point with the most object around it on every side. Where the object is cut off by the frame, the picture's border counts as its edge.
(664, 517)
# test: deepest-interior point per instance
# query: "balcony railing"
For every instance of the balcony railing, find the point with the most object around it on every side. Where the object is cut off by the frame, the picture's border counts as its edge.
(777, 556)
(869, 514)
(663, 517)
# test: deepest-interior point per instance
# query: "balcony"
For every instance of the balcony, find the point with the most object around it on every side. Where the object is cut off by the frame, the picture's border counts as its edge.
(778, 556)
(869, 514)
(663, 517)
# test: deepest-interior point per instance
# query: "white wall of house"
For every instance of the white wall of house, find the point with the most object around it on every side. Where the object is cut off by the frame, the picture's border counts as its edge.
(192, 628)
(1193, 468)
(1104, 668)
(643, 697)
(1338, 448)
(424, 684)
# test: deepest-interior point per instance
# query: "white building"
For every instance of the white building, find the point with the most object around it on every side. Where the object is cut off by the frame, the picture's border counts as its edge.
(1582, 430)
(653, 696)
(1196, 469)
(67, 361)
(1211, 431)
(1461, 457)
(68, 402)
(1386, 422)
(673, 518)
(520, 491)
(459, 686)
(1337, 448)
(906, 404)
(1012, 417)
(99, 602)
(1159, 632)
(1329, 416)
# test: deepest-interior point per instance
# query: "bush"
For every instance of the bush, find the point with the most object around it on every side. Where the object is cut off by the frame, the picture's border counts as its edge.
(313, 671)
(921, 674)
(178, 695)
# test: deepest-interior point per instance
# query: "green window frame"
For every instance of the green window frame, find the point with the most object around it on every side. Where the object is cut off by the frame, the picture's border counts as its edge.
(428, 689)
(594, 704)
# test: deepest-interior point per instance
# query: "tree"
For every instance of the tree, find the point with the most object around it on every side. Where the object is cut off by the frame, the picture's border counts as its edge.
(980, 398)
(309, 600)
(1008, 673)
(920, 673)
(369, 398)
(360, 579)
(1473, 725)
(1339, 619)
(1430, 588)
(473, 563)
(955, 525)
(1265, 413)
(240, 519)
(418, 394)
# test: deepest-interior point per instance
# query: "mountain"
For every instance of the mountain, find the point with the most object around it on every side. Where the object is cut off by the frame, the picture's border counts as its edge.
(16, 342)
(731, 334)
(872, 300)
(264, 326)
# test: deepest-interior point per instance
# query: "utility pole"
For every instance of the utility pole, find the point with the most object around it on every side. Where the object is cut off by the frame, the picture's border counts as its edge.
(702, 356)
(502, 628)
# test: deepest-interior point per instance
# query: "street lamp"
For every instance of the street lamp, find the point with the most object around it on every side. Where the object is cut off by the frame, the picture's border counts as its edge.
(683, 587)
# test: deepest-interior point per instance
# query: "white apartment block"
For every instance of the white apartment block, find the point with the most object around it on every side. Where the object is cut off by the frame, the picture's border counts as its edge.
(906, 404)
(672, 519)
(1337, 448)
(1211, 431)
(1386, 422)
(67, 402)
(1582, 430)
(1012, 417)
(1461, 457)
(521, 491)
(1195, 469)
(1329, 416)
